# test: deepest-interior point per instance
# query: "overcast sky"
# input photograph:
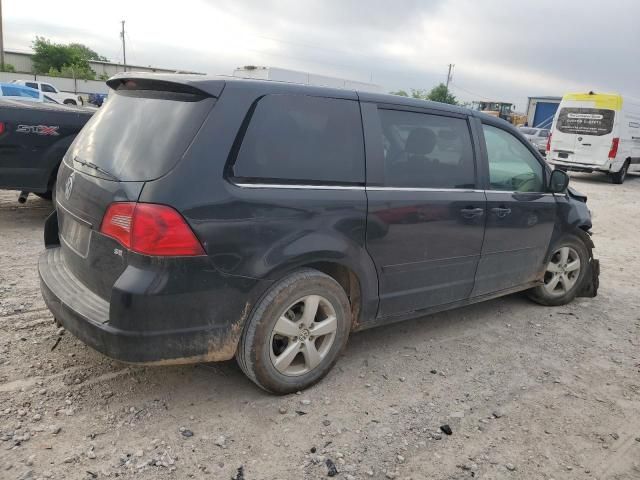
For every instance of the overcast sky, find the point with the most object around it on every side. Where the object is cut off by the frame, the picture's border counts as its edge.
(502, 49)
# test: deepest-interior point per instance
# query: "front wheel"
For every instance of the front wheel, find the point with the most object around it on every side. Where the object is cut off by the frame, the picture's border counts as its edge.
(619, 177)
(564, 273)
(296, 332)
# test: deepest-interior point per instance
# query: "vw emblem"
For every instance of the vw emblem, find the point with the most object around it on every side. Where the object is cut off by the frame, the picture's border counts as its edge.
(68, 186)
(579, 139)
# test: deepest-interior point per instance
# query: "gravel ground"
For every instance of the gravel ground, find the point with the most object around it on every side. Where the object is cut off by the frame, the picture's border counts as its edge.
(528, 391)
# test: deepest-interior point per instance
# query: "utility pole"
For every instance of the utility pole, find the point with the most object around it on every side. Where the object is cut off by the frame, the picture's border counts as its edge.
(449, 76)
(124, 49)
(1, 41)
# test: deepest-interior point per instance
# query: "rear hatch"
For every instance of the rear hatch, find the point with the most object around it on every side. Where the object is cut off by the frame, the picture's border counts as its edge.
(138, 135)
(583, 135)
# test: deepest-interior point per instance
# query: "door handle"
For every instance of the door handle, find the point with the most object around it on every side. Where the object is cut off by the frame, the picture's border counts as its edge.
(501, 212)
(472, 212)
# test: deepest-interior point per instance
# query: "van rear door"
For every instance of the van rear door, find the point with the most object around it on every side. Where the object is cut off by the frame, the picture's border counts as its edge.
(590, 130)
(139, 135)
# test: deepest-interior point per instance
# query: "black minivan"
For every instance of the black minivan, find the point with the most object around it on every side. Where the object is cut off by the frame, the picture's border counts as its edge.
(201, 218)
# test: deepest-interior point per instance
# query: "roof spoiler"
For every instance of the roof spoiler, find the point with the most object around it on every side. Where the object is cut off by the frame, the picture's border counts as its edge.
(152, 84)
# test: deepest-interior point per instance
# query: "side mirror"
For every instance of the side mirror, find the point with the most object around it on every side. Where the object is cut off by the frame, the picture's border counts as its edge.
(558, 182)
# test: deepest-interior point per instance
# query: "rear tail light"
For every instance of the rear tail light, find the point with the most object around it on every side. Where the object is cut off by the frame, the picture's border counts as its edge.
(117, 222)
(549, 143)
(614, 148)
(2, 128)
(150, 229)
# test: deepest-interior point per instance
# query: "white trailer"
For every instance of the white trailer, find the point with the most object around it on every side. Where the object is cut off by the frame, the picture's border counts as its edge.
(596, 132)
(305, 78)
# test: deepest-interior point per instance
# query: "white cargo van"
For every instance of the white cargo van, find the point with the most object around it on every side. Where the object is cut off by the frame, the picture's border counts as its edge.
(596, 132)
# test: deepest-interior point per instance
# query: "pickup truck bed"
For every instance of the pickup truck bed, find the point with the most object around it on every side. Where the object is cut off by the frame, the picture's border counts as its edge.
(33, 139)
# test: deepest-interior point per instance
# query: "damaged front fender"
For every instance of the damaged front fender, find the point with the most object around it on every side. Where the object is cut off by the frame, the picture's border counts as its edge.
(591, 280)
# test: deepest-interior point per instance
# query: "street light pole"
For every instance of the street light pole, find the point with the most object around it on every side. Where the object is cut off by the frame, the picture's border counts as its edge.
(449, 76)
(124, 50)
(1, 41)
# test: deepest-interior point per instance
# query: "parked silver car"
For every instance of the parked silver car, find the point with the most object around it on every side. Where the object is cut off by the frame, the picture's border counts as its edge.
(537, 136)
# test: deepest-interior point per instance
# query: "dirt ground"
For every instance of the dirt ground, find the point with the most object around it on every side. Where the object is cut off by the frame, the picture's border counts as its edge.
(529, 392)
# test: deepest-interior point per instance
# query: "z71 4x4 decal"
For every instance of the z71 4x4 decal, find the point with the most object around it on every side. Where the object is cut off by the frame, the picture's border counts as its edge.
(38, 129)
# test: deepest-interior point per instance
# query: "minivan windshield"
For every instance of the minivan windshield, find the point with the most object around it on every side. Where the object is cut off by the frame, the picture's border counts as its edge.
(140, 135)
(585, 121)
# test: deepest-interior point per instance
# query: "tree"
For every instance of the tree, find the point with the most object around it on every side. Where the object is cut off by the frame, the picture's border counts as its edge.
(85, 52)
(9, 68)
(438, 93)
(74, 71)
(442, 94)
(61, 60)
(415, 93)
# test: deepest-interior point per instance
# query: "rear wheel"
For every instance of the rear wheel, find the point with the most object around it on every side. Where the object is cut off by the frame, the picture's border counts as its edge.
(70, 102)
(564, 273)
(619, 177)
(46, 195)
(295, 333)
(51, 193)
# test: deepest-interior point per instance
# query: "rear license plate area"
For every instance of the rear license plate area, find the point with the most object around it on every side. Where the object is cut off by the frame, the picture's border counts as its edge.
(563, 155)
(75, 233)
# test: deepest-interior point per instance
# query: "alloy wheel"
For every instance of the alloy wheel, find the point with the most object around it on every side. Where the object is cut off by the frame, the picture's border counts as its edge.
(303, 335)
(562, 271)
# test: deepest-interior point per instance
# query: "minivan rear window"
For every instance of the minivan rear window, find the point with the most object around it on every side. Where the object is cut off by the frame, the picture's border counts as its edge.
(302, 139)
(585, 121)
(140, 135)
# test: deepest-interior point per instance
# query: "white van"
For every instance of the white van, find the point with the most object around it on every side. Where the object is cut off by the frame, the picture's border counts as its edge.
(596, 132)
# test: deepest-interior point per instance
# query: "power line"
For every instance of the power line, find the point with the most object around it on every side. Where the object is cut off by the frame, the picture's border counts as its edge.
(458, 87)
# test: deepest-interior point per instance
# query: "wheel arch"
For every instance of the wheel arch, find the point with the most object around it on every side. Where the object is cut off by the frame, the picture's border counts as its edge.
(359, 282)
(52, 160)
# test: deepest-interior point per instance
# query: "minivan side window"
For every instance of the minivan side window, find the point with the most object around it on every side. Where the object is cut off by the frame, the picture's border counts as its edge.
(512, 167)
(426, 151)
(302, 139)
(31, 85)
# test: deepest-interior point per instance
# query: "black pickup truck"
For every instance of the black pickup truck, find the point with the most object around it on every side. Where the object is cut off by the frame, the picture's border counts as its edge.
(33, 139)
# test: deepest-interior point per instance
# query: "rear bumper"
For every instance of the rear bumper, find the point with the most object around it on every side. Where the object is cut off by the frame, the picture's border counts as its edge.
(580, 167)
(87, 316)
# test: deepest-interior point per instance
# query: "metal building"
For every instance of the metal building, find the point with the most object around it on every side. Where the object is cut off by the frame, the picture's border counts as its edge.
(21, 61)
(541, 110)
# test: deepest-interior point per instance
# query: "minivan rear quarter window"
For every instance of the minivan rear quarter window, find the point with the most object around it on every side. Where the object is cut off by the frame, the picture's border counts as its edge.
(426, 151)
(302, 139)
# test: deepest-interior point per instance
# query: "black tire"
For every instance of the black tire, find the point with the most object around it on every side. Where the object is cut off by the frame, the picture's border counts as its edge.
(541, 295)
(49, 194)
(70, 102)
(619, 177)
(46, 195)
(257, 343)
